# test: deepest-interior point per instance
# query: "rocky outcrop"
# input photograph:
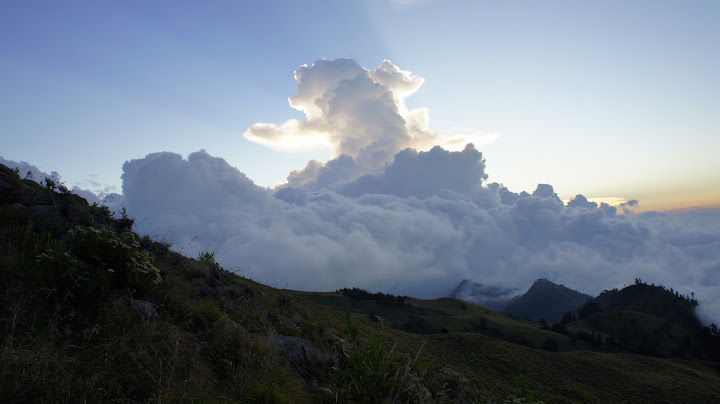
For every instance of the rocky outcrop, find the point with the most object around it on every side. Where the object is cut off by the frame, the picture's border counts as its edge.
(47, 209)
(298, 350)
(145, 309)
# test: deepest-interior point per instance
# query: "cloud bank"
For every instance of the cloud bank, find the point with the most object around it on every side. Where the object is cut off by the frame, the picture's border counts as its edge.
(418, 227)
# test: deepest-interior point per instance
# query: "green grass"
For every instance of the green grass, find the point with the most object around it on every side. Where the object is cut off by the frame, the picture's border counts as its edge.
(449, 314)
(493, 366)
(640, 332)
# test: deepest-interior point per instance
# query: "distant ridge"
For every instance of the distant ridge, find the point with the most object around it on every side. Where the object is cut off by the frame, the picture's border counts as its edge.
(546, 300)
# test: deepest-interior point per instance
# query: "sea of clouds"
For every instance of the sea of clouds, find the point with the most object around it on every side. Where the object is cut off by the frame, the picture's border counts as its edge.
(403, 210)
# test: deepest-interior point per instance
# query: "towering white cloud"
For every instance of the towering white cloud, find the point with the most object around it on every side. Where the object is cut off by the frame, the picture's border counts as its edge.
(357, 112)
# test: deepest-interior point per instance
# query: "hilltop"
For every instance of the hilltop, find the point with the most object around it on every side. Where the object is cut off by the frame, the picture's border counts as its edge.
(546, 300)
(91, 311)
(658, 301)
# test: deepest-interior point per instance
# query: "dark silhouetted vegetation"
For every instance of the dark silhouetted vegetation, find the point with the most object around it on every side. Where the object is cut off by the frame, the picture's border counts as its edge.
(379, 297)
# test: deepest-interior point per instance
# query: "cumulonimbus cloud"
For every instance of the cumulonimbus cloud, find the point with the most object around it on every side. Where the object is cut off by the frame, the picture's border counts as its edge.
(360, 113)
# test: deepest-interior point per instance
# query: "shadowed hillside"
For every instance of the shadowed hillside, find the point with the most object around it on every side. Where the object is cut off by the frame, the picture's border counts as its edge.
(649, 320)
(92, 312)
(546, 300)
(656, 300)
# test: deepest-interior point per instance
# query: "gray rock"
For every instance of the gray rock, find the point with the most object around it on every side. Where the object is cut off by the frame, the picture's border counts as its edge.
(41, 199)
(77, 215)
(146, 310)
(46, 217)
(299, 350)
(5, 187)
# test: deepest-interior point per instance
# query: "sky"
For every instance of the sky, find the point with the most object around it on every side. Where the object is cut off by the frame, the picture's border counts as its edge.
(607, 99)
(318, 145)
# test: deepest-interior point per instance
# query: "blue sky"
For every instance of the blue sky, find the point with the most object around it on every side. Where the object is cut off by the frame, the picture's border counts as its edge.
(610, 98)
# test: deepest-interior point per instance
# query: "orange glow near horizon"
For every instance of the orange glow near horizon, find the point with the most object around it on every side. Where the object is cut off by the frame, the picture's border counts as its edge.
(664, 202)
(679, 201)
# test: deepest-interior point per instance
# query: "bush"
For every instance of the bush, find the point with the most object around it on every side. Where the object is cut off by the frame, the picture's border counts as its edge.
(207, 258)
(369, 375)
(125, 223)
(104, 250)
(93, 263)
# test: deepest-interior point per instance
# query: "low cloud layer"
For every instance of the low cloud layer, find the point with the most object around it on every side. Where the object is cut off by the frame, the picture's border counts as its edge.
(418, 227)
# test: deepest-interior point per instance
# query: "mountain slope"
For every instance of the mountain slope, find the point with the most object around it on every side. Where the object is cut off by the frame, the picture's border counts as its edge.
(649, 320)
(651, 299)
(546, 300)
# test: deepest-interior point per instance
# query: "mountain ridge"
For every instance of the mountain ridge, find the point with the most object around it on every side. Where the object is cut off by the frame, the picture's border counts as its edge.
(546, 300)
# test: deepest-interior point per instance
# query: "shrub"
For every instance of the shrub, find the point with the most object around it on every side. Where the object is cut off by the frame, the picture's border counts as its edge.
(367, 374)
(207, 258)
(104, 250)
(125, 223)
(94, 262)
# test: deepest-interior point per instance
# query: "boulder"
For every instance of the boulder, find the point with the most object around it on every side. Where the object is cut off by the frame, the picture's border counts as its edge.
(46, 217)
(299, 350)
(78, 215)
(146, 310)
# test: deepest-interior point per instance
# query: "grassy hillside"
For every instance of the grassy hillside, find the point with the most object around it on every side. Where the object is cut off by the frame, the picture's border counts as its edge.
(491, 366)
(447, 315)
(639, 332)
(675, 335)
(91, 312)
(654, 300)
